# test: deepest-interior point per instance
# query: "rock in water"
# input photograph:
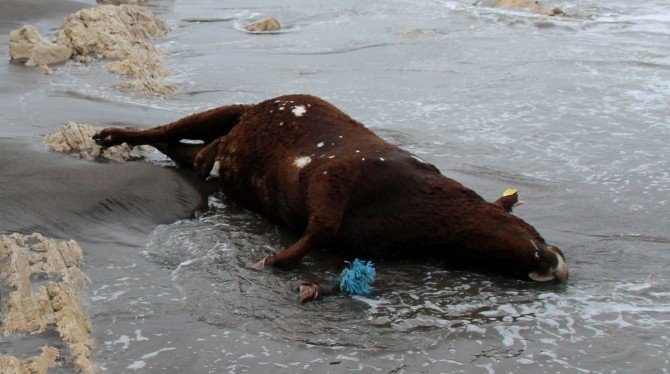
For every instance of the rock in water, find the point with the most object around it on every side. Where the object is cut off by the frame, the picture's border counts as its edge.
(36, 308)
(531, 5)
(27, 43)
(76, 138)
(268, 24)
(123, 33)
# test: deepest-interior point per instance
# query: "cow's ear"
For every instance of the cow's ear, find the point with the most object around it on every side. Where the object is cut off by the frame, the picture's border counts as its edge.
(509, 199)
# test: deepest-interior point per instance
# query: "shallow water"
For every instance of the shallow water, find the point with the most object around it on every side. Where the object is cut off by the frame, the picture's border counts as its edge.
(572, 112)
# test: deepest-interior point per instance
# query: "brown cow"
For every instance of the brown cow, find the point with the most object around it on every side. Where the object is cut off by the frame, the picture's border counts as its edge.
(308, 166)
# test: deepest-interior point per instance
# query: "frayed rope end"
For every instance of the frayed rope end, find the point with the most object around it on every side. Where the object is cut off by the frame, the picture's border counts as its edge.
(356, 279)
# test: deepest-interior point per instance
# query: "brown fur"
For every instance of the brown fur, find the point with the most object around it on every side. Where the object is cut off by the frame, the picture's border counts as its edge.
(358, 193)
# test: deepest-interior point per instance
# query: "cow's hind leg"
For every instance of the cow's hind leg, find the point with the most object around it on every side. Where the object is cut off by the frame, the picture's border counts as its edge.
(183, 154)
(327, 198)
(206, 126)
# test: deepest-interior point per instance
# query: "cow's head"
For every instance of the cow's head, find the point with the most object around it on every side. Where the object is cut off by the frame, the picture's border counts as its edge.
(508, 244)
(549, 265)
(547, 262)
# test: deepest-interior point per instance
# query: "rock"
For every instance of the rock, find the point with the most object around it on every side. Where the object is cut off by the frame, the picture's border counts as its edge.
(46, 69)
(34, 365)
(58, 303)
(531, 5)
(27, 43)
(123, 33)
(42, 363)
(76, 139)
(268, 24)
(410, 33)
(84, 59)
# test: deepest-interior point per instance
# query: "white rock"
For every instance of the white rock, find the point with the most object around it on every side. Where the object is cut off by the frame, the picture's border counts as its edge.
(268, 24)
(77, 139)
(28, 43)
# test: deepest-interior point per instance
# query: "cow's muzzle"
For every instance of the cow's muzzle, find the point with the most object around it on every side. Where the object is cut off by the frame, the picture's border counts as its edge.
(559, 272)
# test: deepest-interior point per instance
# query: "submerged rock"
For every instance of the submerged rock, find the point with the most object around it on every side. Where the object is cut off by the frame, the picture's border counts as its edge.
(28, 43)
(76, 139)
(531, 5)
(57, 303)
(268, 24)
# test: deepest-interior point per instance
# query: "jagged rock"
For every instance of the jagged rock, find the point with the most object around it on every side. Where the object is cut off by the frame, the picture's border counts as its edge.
(268, 24)
(28, 43)
(531, 5)
(124, 33)
(58, 303)
(46, 69)
(33, 365)
(76, 139)
(84, 59)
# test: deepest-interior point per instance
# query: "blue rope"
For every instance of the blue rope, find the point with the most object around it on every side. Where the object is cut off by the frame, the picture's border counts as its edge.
(356, 279)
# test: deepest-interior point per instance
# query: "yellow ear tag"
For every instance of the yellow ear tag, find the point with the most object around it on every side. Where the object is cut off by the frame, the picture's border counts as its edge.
(509, 191)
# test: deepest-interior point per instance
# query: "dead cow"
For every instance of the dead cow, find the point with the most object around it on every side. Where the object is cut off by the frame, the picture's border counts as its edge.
(308, 166)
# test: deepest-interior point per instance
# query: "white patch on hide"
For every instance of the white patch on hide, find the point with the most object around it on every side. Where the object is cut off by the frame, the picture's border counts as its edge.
(319, 145)
(299, 110)
(216, 169)
(301, 162)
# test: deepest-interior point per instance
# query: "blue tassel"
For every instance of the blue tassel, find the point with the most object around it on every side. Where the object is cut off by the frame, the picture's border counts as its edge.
(356, 279)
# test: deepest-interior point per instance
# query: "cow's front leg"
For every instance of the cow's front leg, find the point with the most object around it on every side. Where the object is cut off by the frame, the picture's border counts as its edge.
(289, 257)
(321, 229)
(328, 194)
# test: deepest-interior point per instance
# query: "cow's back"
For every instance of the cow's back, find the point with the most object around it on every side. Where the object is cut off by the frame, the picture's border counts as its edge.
(268, 158)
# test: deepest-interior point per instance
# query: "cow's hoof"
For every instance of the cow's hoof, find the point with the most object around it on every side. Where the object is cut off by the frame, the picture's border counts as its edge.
(108, 137)
(308, 292)
(103, 140)
(260, 265)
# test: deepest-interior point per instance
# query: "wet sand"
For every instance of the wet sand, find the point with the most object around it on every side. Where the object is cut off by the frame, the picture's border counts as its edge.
(57, 194)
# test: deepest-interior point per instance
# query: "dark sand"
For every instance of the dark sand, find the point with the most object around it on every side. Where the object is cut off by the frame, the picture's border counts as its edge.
(59, 195)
